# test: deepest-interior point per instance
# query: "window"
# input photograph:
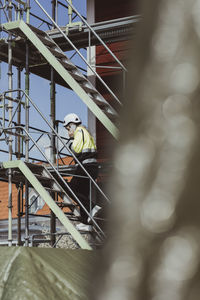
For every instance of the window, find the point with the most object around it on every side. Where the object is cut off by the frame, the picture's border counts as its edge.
(35, 201)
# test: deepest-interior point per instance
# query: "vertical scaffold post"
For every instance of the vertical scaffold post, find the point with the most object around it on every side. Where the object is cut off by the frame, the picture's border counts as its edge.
(18, 11)
(20, 195)
(19, 112)
(27, 83)
(70, 12)
(52, 117)
(10, 87)
(28, 11)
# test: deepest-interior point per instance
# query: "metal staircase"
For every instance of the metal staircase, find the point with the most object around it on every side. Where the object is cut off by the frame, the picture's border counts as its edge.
(68, 71)
(41, 180)
(39, 177)
(45, 179)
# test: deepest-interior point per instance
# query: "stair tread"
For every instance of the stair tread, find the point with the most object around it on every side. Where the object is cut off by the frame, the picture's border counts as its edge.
(78, 76)
(88, 87)
(46, 41)
(44, 178)
(66, 63)
(99, 101)
(57, 53)
(64, 204)
(34, 167)
(36, 30)
(50, 189)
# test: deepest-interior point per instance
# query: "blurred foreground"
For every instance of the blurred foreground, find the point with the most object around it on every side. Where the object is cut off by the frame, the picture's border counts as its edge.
(154, 250)
(40, 274)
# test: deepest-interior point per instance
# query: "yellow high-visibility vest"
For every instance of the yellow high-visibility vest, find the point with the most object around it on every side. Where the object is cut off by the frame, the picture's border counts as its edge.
(83, 145)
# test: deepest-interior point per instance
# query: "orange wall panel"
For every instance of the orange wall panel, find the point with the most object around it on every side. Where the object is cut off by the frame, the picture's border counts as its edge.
(4, 200)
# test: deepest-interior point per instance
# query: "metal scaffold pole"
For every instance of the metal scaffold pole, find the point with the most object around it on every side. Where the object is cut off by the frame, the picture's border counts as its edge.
(19, 186)
(19, 112)
(27, 84)
(53, 116)
(20, 195)
(10, 87)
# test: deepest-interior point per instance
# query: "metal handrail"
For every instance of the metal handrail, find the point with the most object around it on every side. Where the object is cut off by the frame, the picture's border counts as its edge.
(71, 191)
(23, 93)
(54, 131)
(78, 52)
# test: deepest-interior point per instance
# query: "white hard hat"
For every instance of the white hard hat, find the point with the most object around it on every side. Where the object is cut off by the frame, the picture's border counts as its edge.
(71, 118)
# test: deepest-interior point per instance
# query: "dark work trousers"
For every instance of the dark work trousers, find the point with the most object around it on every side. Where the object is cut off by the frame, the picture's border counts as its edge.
(81, 187)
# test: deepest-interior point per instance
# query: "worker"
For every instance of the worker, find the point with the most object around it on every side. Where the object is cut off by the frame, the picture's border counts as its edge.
(84, 148)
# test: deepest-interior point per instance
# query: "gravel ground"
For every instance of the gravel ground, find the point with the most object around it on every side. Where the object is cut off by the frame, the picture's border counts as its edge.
(65, 241)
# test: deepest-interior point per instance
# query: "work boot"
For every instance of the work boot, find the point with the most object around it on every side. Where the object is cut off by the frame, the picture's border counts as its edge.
(94, 212)
(83, 227)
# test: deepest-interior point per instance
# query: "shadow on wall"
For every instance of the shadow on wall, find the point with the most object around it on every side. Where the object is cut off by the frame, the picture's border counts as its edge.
(154, 247)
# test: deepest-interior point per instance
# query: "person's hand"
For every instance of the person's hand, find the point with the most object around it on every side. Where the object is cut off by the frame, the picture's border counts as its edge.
(71, 133)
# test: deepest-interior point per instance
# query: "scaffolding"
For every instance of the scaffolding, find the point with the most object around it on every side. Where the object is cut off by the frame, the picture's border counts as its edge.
(37, 43)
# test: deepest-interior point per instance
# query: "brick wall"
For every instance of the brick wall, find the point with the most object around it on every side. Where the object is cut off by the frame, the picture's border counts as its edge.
(4, 201)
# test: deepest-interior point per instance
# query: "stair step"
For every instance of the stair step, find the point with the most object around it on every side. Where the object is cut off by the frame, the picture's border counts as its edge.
(40, 172)
(43, 179)
(66, 63)
(110, 112)
(36, 169)
(63, 204)
(50, 189)
(56, 53)
(46, 41)
(98, 100)
(88, 87)
(77, 75)
(36, 30)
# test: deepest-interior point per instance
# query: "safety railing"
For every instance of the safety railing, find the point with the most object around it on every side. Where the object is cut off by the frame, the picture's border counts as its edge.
(38, 132)
(58, 174)
(9, 128)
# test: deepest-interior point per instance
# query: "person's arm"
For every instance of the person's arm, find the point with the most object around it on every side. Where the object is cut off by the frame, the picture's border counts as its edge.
(77, 145)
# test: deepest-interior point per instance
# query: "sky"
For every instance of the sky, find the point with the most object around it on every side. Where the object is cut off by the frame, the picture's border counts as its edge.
(66, 100)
